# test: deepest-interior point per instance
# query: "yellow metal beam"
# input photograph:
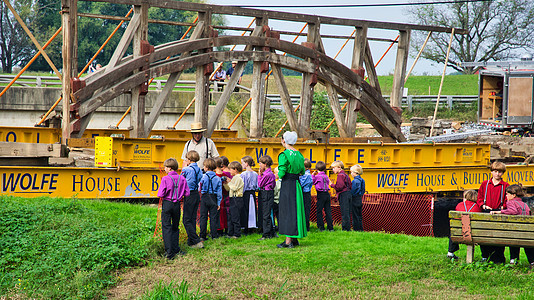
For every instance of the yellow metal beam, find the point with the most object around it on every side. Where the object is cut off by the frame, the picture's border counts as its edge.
(110, 183)
(152, 152)
(53, 135)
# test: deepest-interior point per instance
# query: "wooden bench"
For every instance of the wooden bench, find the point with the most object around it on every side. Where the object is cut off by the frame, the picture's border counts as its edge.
(486, 229)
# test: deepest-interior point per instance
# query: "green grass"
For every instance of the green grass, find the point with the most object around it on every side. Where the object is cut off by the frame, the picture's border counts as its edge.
(63, 248)
(417, 85)
(172, 291)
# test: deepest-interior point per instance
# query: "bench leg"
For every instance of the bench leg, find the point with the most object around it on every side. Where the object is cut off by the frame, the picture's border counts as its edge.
(470, 252)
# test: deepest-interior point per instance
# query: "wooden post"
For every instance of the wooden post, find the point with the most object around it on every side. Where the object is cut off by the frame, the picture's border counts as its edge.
(400, 68)
(306, 98)
(225, 97)
(137, 115)
(257, 105)
(169, 86)
(358, 57)
(69, 19)
(333, 99)
(469, 254)
(202, 86)
(285, 98)
(371, 69)
(257, 92)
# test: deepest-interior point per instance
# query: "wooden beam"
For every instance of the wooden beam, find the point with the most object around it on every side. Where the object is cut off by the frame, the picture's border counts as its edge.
(257, 92)
(257, 105)
(283, 32)
(225, 97)
(124, 85)
(346, 82)
(83, 122)
(333, 99)
(306, 98)
(30, 149)
(69, 20)
(278, 15)
(285, 98)
(382, 119)
(124, 43)
(137, 114)
(169, 86)
(160, 102)
(360, 43)
(371, 70)
(150, 21)
(358, 56)
(202, 92)
(400, 68)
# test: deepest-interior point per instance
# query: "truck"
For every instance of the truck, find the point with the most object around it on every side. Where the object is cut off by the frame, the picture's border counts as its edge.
(506, 91)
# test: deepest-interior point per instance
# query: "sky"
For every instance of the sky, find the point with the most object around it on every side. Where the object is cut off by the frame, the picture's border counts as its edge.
(395, 14)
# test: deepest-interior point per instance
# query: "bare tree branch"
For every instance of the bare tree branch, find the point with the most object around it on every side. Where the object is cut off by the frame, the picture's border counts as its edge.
(497, 30)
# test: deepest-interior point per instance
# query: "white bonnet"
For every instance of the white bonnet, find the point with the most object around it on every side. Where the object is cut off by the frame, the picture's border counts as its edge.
(290, 137)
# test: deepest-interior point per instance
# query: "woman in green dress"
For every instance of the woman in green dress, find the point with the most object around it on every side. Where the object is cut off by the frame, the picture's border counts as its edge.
(292, 222)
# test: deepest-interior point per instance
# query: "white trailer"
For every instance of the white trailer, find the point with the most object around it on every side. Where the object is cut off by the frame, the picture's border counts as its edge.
(505, 98)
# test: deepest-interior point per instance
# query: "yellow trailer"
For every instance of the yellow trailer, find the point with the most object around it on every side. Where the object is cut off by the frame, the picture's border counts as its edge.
(113, 183)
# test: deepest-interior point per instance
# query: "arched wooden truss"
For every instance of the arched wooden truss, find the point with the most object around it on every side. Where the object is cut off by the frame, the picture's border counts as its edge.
(264, 47)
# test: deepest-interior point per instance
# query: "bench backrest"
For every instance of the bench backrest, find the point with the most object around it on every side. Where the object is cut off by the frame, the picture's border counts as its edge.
(487, 229)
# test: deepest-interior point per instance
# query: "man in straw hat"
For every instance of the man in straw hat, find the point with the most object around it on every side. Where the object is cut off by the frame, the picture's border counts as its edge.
(203, 145)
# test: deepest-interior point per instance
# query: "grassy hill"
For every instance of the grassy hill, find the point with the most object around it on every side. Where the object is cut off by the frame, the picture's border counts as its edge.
(53, 248)
(417, 85)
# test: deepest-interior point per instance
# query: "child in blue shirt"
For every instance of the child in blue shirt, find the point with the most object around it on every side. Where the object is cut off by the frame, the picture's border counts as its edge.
(306, 182)
(211, 189)
(357, 191)
(193, 175)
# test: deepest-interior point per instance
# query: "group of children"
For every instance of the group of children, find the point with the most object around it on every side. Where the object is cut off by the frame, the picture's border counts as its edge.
(226, 193)
(495, 196)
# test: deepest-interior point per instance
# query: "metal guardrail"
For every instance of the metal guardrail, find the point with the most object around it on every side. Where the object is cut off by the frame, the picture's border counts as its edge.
(407, 101)
(27, 81)
(157, 84)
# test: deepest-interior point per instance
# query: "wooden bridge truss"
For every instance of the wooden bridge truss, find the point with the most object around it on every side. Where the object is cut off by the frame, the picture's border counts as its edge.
(130, 74)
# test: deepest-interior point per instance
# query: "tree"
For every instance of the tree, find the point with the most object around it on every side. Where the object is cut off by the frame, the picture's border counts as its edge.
(92, 32)
(14, 43)
(496, 30)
